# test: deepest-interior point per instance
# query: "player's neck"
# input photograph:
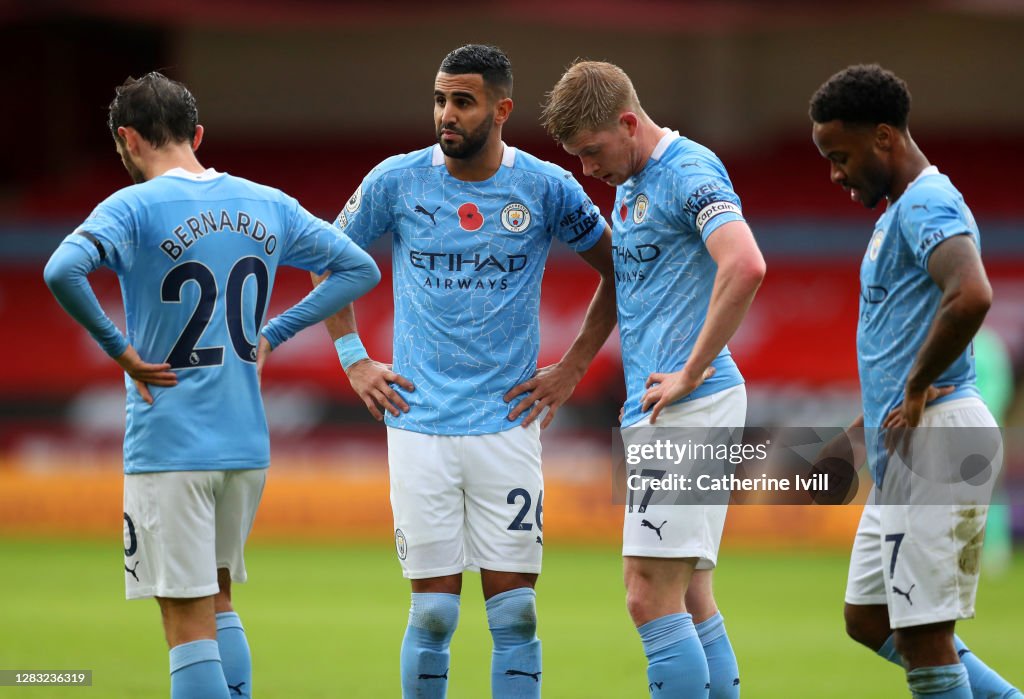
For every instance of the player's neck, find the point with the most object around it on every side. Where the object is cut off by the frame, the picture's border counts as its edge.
(648, 136)
(481, 166)
(910, 167)
(161, 160)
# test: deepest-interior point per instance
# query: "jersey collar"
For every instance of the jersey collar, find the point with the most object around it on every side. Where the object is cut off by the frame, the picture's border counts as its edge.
(204, 176)
(664, 143)
(927, 172)
(508, 156)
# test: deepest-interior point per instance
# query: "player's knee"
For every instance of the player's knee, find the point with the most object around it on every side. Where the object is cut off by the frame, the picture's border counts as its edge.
(864, 628)
(513, 614)
(643, 598)
(437, 613)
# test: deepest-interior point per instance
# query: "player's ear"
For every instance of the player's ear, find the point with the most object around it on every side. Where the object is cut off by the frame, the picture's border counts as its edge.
(885, 137)
(198, 138)
(130, 138)
(502, 110)
(630, 121)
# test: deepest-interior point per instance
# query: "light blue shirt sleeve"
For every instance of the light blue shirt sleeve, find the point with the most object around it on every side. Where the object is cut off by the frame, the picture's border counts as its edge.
(115, 223)
(929, 216)
(367, 214)
(66, 274)
(317, 246)
(578, 221)
(708, 198)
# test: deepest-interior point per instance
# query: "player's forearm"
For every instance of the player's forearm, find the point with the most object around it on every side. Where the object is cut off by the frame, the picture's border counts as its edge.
(65, 274)
(960, 315)
(855, 435)
(341, 323)
(733, 292)
(847, 446)
(350, 278)
(597, 326)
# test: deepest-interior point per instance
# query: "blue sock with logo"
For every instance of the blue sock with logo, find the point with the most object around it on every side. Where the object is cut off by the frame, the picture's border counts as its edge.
(425, 657)
(676, 666)
(234, 654)
(940, 682)
(516, 660)
(196, 671)
(722, 666)
(985, 682)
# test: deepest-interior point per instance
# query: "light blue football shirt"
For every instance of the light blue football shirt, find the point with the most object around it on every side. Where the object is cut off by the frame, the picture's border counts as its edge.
(467, 260)
(898, 300)
(664, 274)
(196, 256)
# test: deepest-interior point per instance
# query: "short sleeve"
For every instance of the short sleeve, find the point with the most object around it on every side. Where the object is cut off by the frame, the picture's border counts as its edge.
(578, 221)
(708, 199)
(367, 215)
(931, 215)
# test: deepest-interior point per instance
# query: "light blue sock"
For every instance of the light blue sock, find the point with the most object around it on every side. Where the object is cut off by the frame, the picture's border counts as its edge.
(676, 666)
(889, 652)
(515, 662)
(234, 654)
(433, 617)
(985, 682)
(722, 666)
(196, 671)
(940, 682)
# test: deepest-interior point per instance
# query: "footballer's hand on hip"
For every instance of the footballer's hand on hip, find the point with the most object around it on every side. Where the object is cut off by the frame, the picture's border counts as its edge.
(372, 381)
(665, 389)
(899, 424)
(263, 351)
(549, 388)
(145, 374)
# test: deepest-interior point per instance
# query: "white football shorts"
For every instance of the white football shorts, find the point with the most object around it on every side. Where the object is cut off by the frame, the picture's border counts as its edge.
(473, 501)
(685, 530)
(921, 555)
(181, 526)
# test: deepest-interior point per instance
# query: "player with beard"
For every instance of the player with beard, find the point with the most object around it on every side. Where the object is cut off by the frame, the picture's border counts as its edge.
(472, 221)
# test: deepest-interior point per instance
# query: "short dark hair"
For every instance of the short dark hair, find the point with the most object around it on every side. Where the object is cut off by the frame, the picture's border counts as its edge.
(159, 108)
(488, 61)
(862, 94)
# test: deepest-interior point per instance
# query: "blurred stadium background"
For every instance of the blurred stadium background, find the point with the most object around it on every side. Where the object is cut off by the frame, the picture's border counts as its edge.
(308, 96)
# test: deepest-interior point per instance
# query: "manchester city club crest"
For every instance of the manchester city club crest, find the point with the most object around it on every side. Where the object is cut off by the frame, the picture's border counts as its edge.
(401, 544)
(640, 208)
(875, 245)
(515, 218)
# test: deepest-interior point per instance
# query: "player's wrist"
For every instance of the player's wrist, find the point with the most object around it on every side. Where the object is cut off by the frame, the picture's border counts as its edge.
(350, 350)
(692, 374)
(575, 368)
(912, 389)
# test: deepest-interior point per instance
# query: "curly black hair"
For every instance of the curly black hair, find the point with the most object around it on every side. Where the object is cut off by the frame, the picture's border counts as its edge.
(159, 108)
(487, 61)
(862, 94)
